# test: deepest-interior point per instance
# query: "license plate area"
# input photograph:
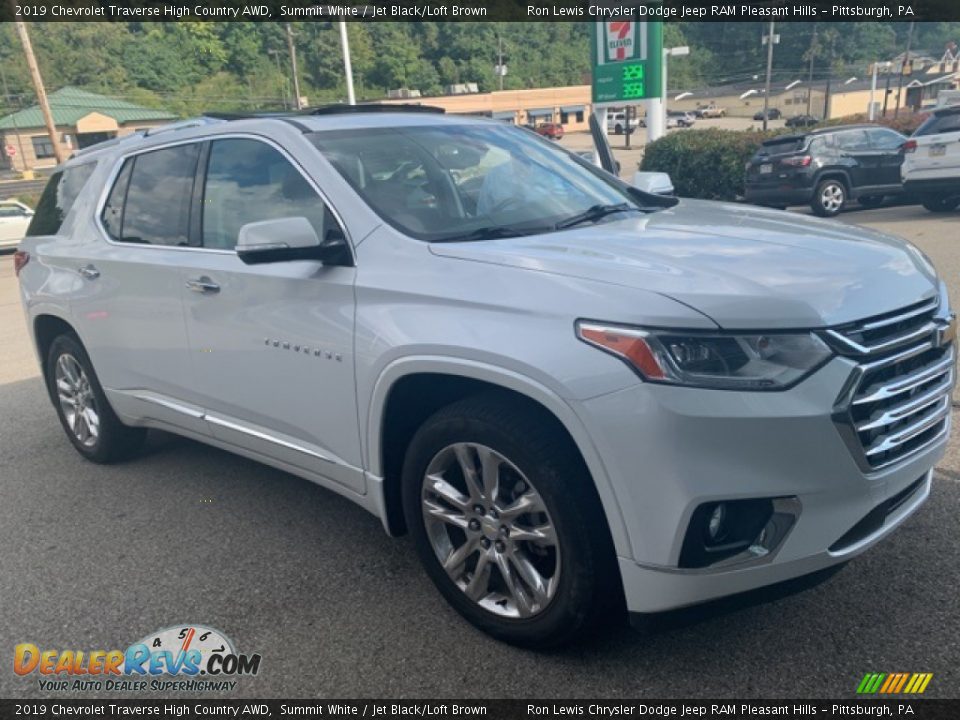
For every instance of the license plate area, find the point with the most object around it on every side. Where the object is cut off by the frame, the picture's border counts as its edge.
(938, 150)
(766, 168)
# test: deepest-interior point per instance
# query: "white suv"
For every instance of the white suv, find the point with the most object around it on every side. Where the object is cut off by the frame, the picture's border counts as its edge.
(931, 161)
(577, 397)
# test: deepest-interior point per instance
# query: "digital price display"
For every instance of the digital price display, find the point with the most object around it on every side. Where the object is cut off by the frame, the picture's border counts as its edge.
(632, 78)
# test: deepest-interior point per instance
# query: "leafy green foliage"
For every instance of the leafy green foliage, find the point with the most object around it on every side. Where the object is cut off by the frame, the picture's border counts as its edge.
(707, 164)
(189, 67)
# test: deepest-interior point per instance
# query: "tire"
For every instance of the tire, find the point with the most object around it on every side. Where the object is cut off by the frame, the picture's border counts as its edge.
(829, 197)
(96, 432)
(618, 129)
(574, 558)
(871, 201)
(940, 203)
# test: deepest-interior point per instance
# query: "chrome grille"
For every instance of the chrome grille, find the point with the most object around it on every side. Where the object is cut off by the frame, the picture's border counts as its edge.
(898, 399)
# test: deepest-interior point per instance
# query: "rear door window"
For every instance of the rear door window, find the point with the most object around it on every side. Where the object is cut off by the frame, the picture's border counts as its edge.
(158, 187)
(853, 140)
(58, 197)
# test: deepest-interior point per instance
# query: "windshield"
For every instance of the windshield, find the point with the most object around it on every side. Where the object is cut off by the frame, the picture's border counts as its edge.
(451, 182)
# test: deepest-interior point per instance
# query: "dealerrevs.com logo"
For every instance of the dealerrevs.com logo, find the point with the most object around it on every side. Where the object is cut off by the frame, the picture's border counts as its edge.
(178, 658)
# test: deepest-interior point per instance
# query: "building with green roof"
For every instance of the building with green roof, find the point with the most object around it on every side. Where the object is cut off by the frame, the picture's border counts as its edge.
(82, 119)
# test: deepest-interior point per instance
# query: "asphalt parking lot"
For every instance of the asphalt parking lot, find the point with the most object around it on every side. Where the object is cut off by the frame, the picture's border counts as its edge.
(96, 557)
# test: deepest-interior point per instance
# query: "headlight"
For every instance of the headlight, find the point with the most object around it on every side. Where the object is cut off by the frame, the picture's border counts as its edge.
(761, 361)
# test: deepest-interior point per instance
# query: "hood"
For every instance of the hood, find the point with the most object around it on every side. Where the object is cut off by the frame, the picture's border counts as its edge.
(744, 267)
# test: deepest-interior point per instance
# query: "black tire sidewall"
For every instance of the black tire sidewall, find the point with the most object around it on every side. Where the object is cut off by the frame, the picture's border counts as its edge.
(115, 439)
(575, 599)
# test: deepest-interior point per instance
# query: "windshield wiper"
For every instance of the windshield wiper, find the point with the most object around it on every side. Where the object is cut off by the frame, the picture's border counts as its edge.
(596, 212)
(490, 232)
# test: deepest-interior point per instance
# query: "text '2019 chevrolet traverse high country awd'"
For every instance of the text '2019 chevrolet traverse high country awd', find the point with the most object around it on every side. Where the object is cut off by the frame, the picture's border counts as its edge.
(575, 396)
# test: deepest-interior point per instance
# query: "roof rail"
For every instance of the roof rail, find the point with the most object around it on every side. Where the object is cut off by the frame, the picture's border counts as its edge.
(183, 125)
(337, 109)
(332, 109)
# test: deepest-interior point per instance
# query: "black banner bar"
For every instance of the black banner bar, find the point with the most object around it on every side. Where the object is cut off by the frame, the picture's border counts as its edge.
(499, 709)
(477, 10)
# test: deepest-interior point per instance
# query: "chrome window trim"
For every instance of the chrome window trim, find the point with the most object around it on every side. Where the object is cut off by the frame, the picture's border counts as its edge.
(121, 158)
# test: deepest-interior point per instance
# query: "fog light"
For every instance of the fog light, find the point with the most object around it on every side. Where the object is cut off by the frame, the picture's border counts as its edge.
(715, 528)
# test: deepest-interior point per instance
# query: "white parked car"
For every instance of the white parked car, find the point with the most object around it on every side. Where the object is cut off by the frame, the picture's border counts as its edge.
(931, 161)
(617, 122)
(578, 397)
(14, 220)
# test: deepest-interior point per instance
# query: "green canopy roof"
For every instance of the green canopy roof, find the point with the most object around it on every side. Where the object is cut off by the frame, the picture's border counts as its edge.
(69, 104)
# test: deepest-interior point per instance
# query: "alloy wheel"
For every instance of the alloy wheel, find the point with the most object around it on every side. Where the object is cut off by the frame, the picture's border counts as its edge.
(832, 197)
(491, 530)
(77, 400)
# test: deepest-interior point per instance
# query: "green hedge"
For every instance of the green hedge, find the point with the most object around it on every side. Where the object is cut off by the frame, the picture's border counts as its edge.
(705, 164)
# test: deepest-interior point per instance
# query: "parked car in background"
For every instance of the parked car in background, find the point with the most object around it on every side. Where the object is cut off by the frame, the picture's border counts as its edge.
(617, 122)
(710, 111)
(827, 168)
(14, 220)
(931, 161)
(551, 130)
(680, 118)
(799, 121)
(772, 114)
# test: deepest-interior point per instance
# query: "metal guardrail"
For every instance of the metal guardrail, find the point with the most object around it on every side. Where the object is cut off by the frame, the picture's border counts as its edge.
(16, 188)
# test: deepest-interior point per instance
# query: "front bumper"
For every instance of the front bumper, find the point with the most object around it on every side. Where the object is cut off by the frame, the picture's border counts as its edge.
(670, 449)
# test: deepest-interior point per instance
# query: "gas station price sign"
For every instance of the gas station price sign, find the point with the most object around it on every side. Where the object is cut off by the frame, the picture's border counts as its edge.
(626, 60)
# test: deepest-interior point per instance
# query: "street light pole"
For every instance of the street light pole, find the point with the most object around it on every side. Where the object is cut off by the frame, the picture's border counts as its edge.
(347, 70)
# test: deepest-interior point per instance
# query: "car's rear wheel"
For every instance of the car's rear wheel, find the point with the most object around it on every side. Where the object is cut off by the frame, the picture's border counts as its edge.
(829, 198)
(87, 418)
(940, 203)
(507, 523)
(618, 129)
(871, 201)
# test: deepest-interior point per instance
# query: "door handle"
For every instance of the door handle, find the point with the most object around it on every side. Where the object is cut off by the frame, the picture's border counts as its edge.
(202, 284)
(89, 272)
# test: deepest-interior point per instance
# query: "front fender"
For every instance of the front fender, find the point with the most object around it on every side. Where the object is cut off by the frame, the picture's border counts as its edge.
(509, 380)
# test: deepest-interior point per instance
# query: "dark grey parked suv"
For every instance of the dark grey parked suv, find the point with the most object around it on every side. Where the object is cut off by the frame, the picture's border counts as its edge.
(827, 168)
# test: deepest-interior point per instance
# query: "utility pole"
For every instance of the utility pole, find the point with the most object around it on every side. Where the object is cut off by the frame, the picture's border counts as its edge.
(347, 70)
(41, 93)
(770, 40)
(903, 66)
(813, 56)
(500, 59)
(826, 94)
(293, 66)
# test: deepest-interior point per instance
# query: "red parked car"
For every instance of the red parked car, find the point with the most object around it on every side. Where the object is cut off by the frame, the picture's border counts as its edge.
(554, 131)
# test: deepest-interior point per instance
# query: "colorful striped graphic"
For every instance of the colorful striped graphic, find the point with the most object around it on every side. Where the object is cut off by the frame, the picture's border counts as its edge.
(894, 683)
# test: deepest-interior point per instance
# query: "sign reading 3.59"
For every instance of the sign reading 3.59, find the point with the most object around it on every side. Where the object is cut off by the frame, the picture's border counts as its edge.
(626, 60)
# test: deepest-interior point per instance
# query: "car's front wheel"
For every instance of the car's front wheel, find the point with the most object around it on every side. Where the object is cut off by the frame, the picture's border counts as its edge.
(940, 203)
(87, 418)
(507, 523)
(829, 198)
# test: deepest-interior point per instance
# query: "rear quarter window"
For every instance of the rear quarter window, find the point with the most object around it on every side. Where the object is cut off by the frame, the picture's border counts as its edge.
(939, 123)
(58, 197)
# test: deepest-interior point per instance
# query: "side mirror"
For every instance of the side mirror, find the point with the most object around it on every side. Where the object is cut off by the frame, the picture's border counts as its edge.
(292, 238)
(655, 183)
